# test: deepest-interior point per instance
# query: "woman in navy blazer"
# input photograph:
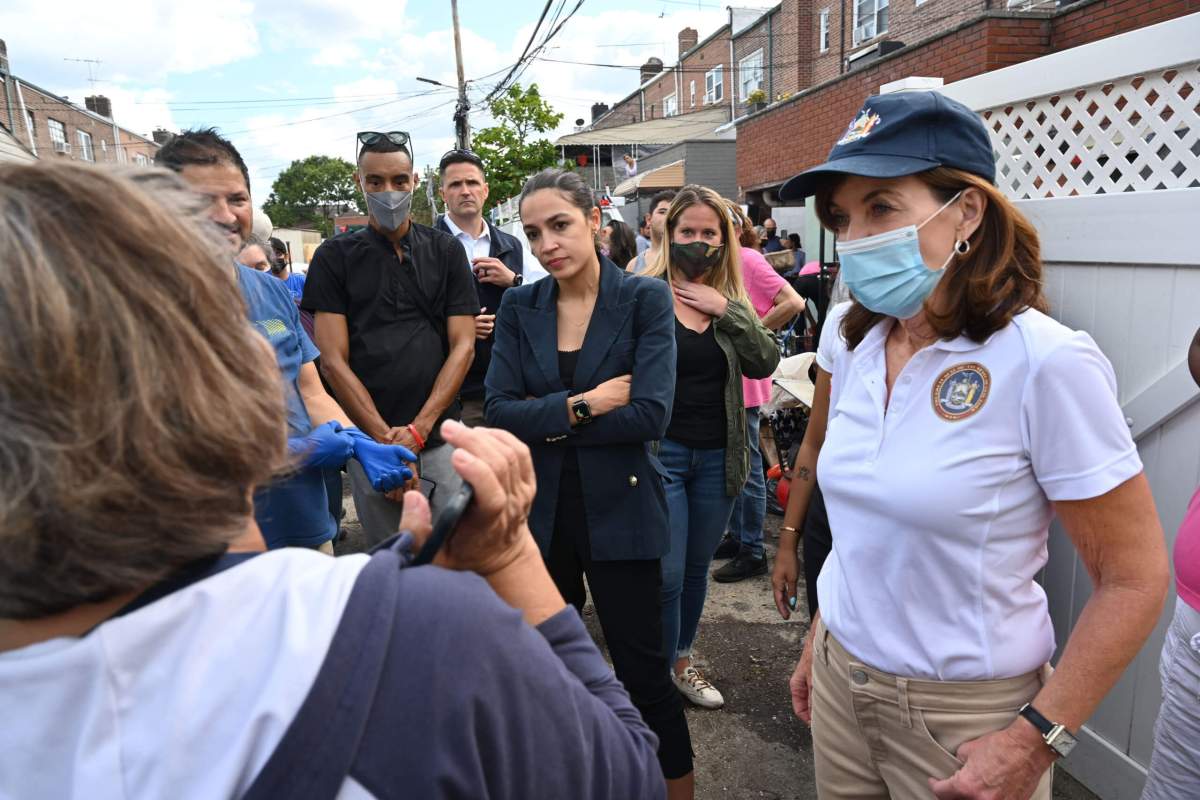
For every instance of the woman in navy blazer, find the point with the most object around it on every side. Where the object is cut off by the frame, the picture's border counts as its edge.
(583, 371)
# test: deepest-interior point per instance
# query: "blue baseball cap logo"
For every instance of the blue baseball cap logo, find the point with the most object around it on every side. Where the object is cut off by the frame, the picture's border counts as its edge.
(902, 134)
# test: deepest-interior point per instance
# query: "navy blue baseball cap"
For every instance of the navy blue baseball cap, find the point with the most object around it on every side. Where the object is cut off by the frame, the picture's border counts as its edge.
(902, 134)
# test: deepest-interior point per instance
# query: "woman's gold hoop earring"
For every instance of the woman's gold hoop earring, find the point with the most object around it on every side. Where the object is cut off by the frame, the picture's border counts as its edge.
(962, 247)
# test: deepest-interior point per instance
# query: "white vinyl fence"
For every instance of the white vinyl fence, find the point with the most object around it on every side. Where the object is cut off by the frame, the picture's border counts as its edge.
(1100, 147)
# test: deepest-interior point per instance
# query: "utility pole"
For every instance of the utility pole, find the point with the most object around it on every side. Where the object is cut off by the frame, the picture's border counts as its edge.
(462, 128)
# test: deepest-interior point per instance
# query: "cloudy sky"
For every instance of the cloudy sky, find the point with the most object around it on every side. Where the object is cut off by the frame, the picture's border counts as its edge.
(285, 79)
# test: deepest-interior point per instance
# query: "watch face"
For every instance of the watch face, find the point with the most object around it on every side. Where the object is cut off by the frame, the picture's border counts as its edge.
(1062, 742)
(582, 410)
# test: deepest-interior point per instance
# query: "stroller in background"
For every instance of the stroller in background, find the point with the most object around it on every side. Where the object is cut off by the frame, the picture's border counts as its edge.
(793, 386)
(787, 416)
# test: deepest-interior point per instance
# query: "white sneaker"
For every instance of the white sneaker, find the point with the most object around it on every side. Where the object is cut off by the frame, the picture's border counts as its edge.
(697, 689)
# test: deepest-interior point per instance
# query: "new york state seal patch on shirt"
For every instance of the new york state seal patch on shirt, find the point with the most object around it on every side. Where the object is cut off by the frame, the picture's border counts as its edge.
(960, 391)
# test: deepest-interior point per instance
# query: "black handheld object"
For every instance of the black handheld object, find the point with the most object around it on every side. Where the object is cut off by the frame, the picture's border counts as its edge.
(445, 524)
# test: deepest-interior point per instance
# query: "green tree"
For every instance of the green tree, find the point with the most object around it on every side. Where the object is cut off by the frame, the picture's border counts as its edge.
(509, 151)
(312, 192)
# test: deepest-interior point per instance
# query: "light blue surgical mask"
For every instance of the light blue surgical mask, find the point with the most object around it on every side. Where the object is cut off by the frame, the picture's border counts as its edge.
(886, 272)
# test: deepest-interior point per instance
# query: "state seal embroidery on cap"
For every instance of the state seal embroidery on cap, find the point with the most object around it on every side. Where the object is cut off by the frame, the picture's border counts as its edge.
(861, 128)
(961, 391)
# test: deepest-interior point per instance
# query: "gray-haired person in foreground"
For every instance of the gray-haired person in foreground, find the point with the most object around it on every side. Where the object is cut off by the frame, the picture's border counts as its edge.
(150, 648)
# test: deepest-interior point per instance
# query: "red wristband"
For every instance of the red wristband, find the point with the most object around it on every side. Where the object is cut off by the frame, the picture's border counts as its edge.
(417, 437)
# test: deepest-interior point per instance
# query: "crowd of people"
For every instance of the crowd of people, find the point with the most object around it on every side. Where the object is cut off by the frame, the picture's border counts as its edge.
(176, 424)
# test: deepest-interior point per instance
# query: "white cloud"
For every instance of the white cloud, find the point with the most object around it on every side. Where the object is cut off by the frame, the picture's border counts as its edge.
(154, 39)
(570, 88)
(336, 55)
(335, 29)
(142, 38)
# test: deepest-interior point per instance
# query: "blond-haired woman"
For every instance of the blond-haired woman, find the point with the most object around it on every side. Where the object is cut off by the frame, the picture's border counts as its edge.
(719, 340)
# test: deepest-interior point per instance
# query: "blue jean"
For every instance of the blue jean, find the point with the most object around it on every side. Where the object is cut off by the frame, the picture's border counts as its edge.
(699, 511)
(750, 507)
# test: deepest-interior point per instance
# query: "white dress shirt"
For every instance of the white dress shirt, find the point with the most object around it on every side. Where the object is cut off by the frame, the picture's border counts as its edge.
(475, 247)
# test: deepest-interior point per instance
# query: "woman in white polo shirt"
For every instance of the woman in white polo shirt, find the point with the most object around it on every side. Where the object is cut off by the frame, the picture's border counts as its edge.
(961, 420)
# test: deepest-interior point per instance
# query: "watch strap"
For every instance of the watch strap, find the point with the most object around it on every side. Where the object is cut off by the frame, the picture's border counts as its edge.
(1030, 713)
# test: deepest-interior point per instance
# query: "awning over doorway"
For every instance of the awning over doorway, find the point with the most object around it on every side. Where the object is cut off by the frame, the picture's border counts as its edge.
(668, 176)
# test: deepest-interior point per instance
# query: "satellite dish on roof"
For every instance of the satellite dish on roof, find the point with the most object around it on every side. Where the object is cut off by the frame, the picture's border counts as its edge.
(579, 122)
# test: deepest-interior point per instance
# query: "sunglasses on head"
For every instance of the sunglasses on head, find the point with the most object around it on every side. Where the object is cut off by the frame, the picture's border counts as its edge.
(398, 138)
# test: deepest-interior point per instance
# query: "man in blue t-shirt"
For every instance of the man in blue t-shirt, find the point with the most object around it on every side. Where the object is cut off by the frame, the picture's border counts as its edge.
(293, 510)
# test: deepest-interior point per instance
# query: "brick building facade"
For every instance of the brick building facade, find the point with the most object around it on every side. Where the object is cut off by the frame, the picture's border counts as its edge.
(782, 35)
(699, 79)
(63, 129)
(837, 42)
(795, 134)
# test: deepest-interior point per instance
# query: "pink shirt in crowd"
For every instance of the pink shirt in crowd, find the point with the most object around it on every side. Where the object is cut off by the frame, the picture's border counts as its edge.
(762, 284)
(1187, 555)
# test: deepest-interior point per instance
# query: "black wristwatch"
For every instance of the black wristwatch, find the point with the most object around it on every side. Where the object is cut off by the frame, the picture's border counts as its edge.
(518, 279)
(1056, 736)
(582, 411)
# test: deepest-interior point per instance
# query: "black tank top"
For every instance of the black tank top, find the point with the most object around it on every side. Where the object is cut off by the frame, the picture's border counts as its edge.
(698, 416)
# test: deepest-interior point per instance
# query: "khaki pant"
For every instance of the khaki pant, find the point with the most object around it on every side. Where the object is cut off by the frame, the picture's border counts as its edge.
(879, 736)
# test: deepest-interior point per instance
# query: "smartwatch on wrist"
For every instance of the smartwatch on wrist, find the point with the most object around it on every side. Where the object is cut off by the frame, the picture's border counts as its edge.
(518, 279)
(582, 411)
(1056, 736)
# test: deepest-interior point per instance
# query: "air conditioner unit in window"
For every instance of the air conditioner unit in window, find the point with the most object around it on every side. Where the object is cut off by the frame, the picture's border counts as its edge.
(62, 147)
(864, 32)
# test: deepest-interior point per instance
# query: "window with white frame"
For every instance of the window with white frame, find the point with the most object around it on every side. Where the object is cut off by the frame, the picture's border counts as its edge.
(870, 19)
(692, 92)
(714, 85)
(85, 145)
(824, 29)
(670, 106)
(58, 135)
(141, 160)
(750, 74)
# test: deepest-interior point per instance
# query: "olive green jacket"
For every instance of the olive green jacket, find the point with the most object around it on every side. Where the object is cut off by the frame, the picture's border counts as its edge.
(750, 351)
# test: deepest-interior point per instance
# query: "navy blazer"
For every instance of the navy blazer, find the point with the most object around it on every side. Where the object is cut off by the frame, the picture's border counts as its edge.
(631, 332)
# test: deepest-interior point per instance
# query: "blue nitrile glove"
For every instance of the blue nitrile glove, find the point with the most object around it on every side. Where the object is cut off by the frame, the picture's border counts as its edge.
(383, 463)
(326, 445)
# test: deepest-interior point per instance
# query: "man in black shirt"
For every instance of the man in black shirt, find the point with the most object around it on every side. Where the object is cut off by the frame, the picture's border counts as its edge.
(771, 244)
(395, 305)
(497, 260)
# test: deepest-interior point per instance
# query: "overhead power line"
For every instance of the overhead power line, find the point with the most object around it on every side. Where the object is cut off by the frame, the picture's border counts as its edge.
(521, 58)
(522, 63)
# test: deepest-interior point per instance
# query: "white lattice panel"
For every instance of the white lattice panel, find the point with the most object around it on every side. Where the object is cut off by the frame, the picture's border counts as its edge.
(1134, 134)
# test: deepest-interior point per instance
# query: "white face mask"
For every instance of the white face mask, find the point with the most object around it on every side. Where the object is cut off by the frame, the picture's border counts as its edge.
(388, 209)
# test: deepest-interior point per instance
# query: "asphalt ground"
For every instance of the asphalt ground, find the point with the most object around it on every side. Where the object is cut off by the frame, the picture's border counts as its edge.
(753, 748)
